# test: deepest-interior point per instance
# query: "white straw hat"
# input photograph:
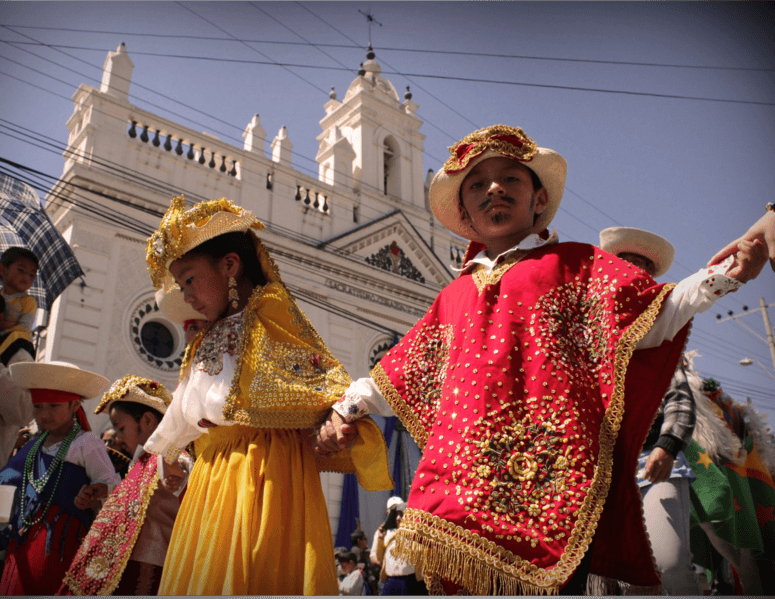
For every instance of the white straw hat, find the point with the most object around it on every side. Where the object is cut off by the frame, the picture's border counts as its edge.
(656, 248)
(175, 306)
(59, 376)
(493, 142)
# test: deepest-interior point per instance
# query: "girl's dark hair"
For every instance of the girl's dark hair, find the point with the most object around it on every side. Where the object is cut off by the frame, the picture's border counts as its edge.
(135, 410)
(390, 521)
(239, 243)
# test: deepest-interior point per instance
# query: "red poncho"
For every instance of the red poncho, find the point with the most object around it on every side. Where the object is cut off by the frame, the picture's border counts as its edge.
(523, 390)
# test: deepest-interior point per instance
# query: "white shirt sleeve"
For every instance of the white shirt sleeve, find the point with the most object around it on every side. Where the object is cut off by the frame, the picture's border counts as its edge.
(88, 451)
(352, 583)
(693, 295)
(361, 398)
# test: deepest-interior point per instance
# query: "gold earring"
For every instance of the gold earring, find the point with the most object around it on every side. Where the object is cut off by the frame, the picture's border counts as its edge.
(233, 295)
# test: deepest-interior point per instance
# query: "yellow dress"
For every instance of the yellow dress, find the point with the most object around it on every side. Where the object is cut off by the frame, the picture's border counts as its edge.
(254, 517)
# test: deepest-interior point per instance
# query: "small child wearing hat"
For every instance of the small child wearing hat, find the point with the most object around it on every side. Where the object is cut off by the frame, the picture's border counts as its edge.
(124, 552)
(52, 474)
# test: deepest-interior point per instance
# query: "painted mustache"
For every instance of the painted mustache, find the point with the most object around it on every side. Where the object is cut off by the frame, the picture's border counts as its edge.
(485, 204)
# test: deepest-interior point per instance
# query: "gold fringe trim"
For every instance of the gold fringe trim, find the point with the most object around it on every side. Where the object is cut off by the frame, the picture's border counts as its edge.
(408, 418)
(483, 567)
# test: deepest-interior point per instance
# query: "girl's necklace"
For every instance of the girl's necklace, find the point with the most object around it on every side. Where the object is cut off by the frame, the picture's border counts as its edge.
(40, 483)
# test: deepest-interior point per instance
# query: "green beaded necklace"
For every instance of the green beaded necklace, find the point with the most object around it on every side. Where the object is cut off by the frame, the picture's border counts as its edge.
(56, 466)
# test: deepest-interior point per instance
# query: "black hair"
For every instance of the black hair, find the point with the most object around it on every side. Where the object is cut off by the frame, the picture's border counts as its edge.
(347, 556)
(135, 410)
(239, 243)
(15, 253)
(2, 304)
(390, 521)
(356, 536)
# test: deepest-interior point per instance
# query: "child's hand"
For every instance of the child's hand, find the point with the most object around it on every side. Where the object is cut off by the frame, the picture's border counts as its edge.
(334, 435)
(89, 496)
(173, 477)
(749, 260)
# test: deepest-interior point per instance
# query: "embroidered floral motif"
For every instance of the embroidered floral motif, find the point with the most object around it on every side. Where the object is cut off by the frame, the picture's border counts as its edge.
(572, 328)
(428, 361)
(222, 338)
(529, 473)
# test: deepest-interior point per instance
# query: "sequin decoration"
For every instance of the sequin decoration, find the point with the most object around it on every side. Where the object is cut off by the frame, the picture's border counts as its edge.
(571, 325)
(222, 338)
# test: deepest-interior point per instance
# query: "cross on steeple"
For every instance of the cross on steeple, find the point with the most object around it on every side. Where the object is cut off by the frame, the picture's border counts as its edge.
(370, 18)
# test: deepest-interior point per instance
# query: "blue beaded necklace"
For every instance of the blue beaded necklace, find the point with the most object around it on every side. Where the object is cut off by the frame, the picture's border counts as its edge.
(55, 466)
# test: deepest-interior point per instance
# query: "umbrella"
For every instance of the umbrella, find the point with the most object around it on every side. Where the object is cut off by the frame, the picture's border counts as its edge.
(24, 223)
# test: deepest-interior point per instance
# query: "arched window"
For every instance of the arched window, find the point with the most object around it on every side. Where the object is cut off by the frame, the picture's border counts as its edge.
(390, 167)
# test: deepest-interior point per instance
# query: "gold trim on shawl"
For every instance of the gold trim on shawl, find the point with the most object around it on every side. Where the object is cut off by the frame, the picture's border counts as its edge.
(464, 557)
(403, 411)
(110, 585)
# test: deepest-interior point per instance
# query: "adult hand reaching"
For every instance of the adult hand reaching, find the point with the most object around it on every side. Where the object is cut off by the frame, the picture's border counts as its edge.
(763, 230)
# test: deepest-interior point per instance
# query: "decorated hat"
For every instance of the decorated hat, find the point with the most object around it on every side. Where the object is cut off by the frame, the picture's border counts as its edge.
(493, 142)
(175, 306)
(637, 241)
(182, 230)
(136, 389)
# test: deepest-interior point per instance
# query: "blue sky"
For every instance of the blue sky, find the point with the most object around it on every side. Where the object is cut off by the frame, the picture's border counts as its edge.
(695, 171)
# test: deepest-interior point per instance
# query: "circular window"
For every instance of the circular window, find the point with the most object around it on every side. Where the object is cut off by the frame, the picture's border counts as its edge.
(156, 340)
(379, 349)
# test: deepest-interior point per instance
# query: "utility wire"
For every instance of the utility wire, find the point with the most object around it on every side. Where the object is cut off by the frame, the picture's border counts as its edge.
(288, 66)
(409, 50)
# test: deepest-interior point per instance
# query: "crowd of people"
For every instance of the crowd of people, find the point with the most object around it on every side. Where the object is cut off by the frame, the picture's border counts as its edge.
(545, 387)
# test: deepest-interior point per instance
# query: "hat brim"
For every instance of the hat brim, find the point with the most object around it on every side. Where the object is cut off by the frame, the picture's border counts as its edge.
(173, 304)
(36, 375)
(656, 248)
(444, 193)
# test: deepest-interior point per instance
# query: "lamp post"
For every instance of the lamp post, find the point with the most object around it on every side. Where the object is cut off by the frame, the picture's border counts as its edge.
(749, 361)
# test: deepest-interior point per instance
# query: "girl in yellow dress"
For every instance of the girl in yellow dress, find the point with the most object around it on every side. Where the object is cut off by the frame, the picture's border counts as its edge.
(253, 385)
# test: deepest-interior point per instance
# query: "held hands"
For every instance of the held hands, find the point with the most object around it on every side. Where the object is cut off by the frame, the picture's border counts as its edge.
(659, 465)
(762, 230)
(334, 435)
(749, 260)
(89, 496)
(173, 477)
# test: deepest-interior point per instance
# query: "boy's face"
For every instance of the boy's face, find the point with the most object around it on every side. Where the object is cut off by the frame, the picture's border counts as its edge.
(639, 261)
(204, 284)
(18, 276)
(500, 202)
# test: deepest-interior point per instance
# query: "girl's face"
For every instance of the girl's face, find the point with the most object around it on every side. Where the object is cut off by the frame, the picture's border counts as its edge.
(129, 432)
(204, 282)
(57, 418)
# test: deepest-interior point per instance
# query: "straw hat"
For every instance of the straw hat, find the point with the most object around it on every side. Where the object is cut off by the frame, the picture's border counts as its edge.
(396, 502)
(182, 230)
(637, 241)
(175, 307)
(492, 142)
(59, 376)
(136, 389)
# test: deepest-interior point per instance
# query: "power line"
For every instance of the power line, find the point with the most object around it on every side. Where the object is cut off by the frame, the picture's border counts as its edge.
(406, 50)
(288, 66)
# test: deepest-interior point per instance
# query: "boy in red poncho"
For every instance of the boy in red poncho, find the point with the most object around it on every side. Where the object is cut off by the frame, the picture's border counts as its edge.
(523, 387)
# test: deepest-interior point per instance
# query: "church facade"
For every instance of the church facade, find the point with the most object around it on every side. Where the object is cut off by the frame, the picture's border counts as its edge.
(358, 245)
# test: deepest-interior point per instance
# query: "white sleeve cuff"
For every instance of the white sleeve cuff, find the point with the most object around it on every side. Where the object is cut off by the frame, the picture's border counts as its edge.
(360, 399)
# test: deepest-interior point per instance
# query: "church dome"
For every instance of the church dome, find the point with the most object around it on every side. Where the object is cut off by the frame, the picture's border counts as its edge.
(372, 80)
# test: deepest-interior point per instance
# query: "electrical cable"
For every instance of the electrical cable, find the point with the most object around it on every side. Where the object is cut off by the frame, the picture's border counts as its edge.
(386, 49)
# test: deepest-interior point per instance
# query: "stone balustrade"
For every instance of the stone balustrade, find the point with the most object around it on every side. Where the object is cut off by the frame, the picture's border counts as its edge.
(311, 198)
(192, 150)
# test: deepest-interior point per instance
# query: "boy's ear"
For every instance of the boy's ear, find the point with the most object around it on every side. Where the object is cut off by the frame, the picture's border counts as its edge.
(231, 264)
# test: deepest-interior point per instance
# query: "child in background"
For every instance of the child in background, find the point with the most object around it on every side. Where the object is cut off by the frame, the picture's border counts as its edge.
(124, 552)
(51, 515)
(177, 310)
(253, 386)
(18, 269)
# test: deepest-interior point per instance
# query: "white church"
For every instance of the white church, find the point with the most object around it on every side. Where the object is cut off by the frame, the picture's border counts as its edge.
(358, 246)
